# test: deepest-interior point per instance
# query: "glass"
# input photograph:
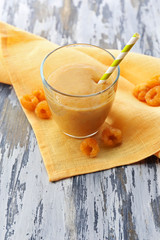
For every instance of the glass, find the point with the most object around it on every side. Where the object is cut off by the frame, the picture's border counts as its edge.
(78, 116)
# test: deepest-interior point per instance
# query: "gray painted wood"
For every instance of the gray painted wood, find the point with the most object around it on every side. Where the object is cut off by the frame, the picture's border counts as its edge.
(121, 203)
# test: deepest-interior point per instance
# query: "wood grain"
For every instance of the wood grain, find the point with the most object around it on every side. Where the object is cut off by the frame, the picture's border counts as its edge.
(120, 203)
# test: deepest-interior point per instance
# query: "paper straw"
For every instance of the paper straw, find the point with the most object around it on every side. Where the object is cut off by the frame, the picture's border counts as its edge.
(120, 57)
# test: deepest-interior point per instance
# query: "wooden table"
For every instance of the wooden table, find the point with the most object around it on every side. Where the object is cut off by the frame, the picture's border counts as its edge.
(121, 203)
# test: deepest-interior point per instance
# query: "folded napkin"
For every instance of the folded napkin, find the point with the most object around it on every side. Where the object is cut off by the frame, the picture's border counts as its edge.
(21, 54)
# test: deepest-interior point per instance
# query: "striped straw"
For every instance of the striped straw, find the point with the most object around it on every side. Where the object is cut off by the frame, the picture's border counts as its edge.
(120, 57)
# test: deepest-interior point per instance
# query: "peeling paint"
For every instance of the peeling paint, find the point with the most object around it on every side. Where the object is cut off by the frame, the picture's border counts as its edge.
(155, 205)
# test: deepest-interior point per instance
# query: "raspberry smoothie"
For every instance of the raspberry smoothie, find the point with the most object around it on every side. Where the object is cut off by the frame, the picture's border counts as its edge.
(70, 78)
(76, 114)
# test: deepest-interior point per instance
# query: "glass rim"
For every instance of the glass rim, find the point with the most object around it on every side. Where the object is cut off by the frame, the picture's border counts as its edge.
(71, 95)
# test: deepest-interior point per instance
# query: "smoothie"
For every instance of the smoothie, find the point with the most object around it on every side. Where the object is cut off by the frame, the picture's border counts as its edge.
(80, 105)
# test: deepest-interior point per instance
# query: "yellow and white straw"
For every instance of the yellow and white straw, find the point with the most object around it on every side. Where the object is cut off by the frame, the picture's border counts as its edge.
(120, 57)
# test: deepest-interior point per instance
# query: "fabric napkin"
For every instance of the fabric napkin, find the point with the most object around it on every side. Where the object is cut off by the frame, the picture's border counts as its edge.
(21, 54)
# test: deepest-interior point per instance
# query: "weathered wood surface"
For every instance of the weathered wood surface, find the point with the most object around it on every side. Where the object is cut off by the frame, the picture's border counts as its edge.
(121, 203)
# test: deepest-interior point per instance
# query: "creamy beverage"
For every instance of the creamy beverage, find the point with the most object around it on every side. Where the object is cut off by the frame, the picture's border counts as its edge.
(81, 105)
(70, 76)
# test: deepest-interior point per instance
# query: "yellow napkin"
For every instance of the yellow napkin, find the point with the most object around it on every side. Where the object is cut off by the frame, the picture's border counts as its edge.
(21, 55)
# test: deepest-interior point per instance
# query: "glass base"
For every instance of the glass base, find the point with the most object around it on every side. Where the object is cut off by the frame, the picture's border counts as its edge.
(80, 137)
